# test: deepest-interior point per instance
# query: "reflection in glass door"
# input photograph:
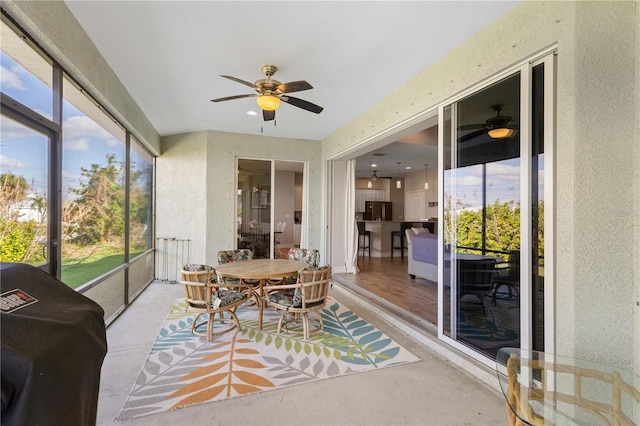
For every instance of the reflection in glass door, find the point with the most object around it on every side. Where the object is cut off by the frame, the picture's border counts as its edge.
(482, 220)
(269, 206)
(24, 184)
(493, 290)
(253, 225)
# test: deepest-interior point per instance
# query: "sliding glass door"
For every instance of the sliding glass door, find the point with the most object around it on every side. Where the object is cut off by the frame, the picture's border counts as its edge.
(492, 292)
(253, 225)
(269, 206)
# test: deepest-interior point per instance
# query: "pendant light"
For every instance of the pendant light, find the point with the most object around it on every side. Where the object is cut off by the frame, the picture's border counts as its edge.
(398, 182)
(426, 179)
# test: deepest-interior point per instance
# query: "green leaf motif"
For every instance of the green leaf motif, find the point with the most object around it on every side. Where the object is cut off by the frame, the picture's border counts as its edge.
(358, 341)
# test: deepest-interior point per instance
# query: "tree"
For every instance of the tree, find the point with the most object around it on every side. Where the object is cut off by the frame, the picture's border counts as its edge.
(96, 211)
(13, 189)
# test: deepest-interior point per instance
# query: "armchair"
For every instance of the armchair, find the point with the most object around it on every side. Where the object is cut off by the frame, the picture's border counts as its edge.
(208, 298)
(296, 301)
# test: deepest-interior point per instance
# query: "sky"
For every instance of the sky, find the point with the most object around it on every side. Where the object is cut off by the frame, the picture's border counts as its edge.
(25, 152)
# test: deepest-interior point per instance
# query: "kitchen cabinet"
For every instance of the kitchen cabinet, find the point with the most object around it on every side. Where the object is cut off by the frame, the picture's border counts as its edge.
(364, 195)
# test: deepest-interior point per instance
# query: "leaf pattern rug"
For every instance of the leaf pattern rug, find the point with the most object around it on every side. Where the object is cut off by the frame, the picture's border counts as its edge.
(183, 369)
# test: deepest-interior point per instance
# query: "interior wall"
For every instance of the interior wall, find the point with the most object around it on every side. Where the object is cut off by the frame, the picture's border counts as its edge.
(597, 271)
(181, 193)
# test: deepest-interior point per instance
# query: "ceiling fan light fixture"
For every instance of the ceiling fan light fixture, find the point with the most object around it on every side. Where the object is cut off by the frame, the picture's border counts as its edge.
(502, 133)
(268, 102)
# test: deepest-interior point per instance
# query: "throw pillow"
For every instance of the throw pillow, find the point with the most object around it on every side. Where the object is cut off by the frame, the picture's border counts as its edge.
(420, 230)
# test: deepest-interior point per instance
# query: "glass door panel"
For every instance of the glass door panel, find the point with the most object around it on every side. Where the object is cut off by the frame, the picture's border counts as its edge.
(24, 184)
(254, 207)
(482, 220)
(287, 207)
(537, 208)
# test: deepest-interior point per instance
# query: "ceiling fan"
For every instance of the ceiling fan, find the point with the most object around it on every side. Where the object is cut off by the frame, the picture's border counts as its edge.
(374, 176)
(498, 127)
(271, 92)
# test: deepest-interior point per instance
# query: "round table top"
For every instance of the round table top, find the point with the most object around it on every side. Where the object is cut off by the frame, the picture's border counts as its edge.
(261, 268)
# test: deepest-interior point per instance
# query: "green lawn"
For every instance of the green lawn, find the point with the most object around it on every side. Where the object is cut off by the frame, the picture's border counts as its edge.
(76, 272)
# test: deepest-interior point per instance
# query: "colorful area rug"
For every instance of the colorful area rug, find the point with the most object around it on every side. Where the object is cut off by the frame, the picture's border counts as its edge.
(184, 370)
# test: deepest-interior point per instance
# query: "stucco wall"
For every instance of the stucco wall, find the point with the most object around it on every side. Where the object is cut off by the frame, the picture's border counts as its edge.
(60, 34)
(597, 274)
(197, 187)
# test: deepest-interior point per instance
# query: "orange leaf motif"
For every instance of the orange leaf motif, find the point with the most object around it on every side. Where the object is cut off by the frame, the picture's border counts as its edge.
(199, 397)
(253, 379)
(247, 351)
(204, 370)
(244, 389)
(200, 384)
(248, 363)
(216, 355)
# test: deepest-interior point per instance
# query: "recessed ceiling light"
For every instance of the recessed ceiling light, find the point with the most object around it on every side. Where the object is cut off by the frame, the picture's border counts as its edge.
(374, 165)
(252, 113)
(408, 168)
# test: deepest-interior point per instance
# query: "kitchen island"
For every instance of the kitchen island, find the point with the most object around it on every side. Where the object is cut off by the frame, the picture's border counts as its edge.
(381, 235)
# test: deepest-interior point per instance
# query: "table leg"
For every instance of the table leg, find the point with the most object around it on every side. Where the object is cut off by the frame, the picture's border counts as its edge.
(263, 301)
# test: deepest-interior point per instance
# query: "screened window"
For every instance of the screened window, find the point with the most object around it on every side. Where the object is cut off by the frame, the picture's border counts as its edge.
(93, 184)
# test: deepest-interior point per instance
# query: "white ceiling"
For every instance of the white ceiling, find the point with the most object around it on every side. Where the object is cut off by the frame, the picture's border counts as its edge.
(170, 55)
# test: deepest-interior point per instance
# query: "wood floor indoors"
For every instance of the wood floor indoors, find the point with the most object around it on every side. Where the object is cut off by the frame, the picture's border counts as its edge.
(387, 280)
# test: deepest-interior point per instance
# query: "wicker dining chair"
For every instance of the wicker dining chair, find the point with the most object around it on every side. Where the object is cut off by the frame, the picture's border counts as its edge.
(297, 301)
(251, 287)
(206, 297)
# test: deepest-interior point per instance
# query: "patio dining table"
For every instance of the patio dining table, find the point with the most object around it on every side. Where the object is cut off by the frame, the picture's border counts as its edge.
(261, 270)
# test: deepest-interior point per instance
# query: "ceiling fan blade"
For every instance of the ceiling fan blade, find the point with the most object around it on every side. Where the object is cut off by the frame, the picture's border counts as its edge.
(472, 135)
(246, 83)
(228, 98)
(268, 115)
(301, 103)
(472, 126)
(294, 86)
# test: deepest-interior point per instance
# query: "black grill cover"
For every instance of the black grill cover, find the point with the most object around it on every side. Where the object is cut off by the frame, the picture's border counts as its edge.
(52, 350)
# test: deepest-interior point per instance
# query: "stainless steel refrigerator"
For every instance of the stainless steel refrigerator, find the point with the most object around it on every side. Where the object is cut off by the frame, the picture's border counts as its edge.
(377, 210)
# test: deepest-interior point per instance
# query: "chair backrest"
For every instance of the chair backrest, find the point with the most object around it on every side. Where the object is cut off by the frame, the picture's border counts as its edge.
(361, 228)
(280, 226)
(198, 294)
(197, 273)
(514, 264)
(226, 256)
(315, 285)
(310, 256)
(476, 276)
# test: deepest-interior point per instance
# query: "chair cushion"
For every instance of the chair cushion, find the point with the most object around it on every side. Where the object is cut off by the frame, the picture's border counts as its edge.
(226, 256)
(289, 297)
(227, 297)
(194, 267)
(310, 256)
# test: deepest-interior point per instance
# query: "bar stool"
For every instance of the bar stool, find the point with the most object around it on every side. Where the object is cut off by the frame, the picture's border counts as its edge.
(400, 247)
(400, 233)
(366, 239)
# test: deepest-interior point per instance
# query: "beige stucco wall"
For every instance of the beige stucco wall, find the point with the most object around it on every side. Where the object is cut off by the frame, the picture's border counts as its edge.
(196, 186)
(59, 33)
(597, 276)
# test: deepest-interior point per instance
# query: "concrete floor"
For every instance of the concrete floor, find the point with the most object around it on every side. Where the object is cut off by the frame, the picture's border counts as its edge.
(433, 391)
